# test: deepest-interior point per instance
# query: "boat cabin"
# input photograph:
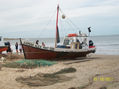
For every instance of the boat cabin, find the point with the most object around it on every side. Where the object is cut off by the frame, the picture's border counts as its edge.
(75, 41)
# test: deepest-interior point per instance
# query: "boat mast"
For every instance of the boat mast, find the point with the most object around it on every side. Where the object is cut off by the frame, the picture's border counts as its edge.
(57, 26)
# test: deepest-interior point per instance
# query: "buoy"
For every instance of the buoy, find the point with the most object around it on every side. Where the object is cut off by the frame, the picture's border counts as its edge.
(63, 16)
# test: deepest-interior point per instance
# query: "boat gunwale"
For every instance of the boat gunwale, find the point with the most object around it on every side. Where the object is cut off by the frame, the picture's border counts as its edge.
(66, 50)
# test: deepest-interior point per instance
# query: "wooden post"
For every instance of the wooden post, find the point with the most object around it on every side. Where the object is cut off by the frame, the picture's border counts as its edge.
(22, 47)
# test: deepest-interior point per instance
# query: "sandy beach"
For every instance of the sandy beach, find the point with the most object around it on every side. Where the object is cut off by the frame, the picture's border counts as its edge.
(93, 72)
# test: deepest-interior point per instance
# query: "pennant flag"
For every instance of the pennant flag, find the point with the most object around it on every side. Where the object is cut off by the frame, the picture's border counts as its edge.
(89, 30)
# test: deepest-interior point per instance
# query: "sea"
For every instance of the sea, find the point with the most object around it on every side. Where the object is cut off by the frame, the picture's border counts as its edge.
(105, 45)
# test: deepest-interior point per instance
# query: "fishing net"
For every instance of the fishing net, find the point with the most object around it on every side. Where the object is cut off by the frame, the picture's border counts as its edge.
(29, 63)
(46, 79)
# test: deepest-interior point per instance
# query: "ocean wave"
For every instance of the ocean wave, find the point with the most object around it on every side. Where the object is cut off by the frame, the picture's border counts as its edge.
(107, 44)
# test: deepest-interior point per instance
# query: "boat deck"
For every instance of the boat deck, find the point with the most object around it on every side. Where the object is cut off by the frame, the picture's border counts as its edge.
(60, 49)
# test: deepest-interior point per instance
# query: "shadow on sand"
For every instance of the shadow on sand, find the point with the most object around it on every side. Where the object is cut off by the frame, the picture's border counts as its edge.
(42, 79)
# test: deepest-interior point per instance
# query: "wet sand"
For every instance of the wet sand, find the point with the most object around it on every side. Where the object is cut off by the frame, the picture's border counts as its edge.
(92, 73)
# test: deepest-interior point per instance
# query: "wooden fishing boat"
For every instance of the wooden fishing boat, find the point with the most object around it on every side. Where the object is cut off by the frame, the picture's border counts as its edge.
(74, 45)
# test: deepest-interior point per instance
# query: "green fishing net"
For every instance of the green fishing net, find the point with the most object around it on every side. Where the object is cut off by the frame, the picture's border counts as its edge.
(29, 63)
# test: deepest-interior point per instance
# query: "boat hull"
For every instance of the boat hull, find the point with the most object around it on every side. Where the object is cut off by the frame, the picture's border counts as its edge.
(38, 53)
(3, 48)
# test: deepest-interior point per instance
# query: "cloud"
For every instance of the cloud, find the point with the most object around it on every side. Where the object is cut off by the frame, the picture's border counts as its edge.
(91, 11)
(27, 15)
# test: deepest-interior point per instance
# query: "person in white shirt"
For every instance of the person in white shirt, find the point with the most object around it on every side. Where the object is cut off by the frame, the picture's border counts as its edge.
(20, 48)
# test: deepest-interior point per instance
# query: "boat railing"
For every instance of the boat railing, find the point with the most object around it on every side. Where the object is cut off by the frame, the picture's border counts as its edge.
(37, 46)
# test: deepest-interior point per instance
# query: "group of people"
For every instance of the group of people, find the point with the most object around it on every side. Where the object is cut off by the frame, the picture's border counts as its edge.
(37, 42)
(18, 47)
(76, 44)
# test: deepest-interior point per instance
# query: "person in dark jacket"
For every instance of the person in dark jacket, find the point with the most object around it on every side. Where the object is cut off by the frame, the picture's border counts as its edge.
(91, 43)
(9, 50)
(37, 42)
(16, 47)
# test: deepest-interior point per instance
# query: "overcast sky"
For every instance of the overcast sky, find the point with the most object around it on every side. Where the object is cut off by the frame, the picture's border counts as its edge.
(36, 18)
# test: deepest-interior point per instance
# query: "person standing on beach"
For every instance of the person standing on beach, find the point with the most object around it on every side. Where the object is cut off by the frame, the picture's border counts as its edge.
(16, 47)
(20, 48)
(9, 50)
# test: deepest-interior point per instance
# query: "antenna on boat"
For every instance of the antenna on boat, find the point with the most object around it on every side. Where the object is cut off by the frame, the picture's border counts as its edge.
(57, 40)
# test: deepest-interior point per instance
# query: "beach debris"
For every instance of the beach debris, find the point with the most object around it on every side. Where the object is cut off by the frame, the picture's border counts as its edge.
(28, 63)
(81, 87)
(103, 87)
(21, 70)
(14, 56)
(2, 59)
(72, 88)
(11, 56)
(42, 79)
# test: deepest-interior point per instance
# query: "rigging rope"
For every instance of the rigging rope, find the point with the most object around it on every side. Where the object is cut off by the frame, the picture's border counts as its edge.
(70, 22)
(49, 21)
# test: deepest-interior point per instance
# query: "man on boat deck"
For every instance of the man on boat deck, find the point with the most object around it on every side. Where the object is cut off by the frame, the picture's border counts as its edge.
(43, 44)
(37, 42)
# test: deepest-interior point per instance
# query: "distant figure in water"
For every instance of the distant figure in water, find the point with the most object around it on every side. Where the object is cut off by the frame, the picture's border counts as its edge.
(16, 47)
(43, 44)
(37, 42)
(20, 48)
